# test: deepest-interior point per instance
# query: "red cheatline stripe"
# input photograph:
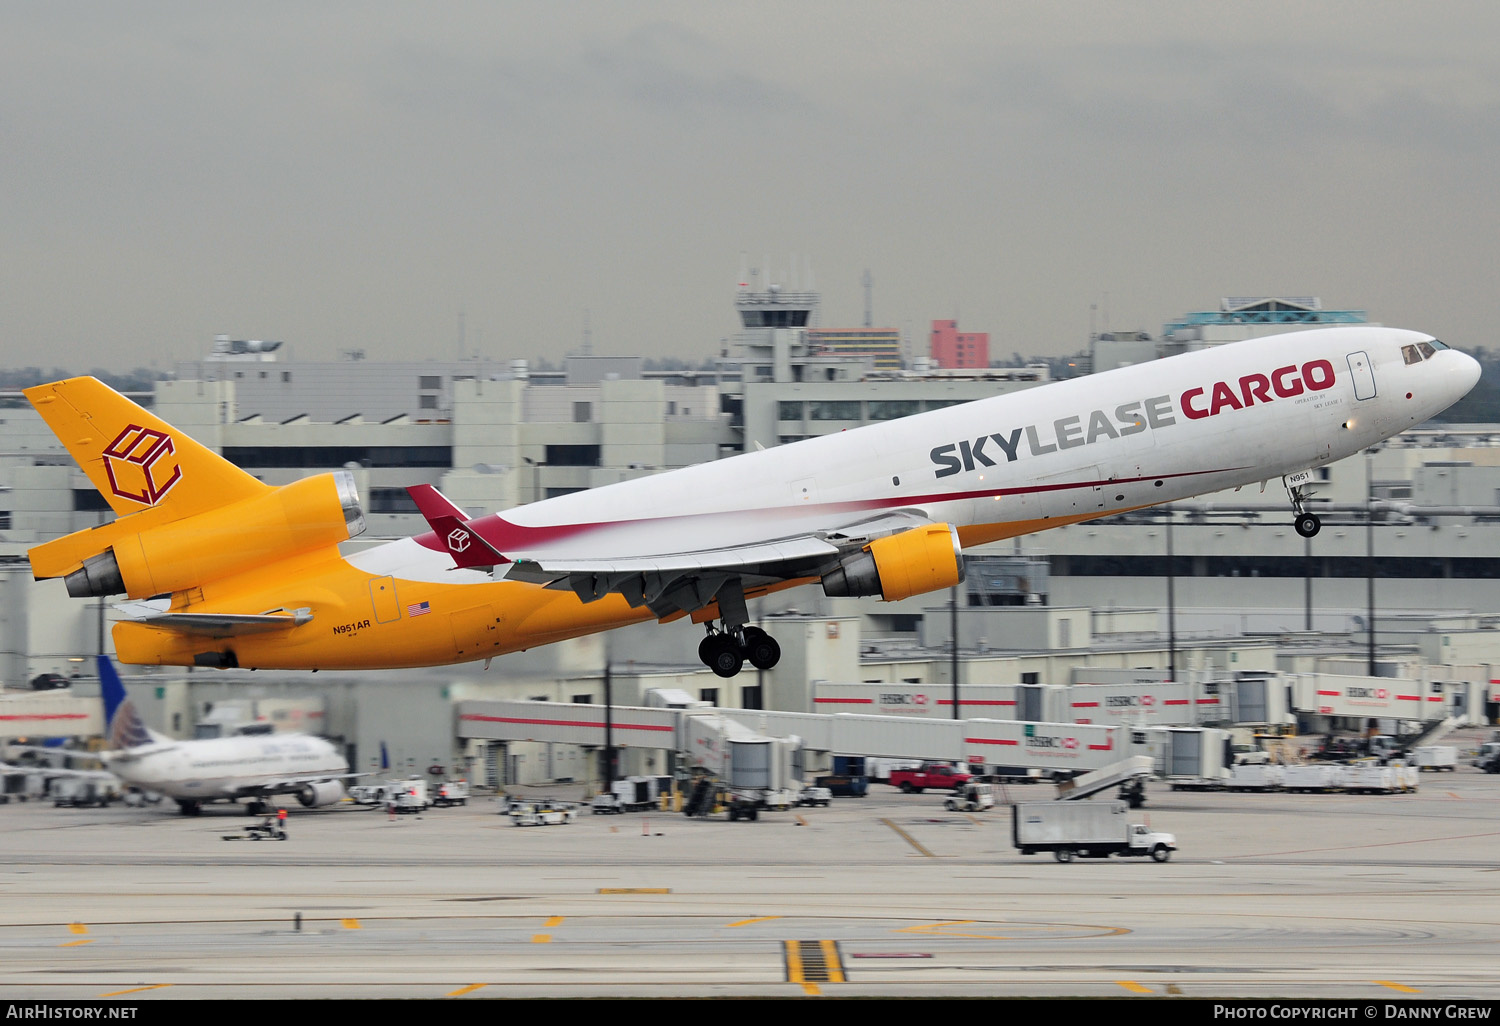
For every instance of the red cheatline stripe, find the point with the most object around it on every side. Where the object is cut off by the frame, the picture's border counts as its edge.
(560, 723)
(1175, 701)
(847, 701)
(1432, 698)
(46, 716)
(1208, 701)
(1410, 698)
(1335, 694)
(974, 701)
(1085, 705)
(989, 741)
(1100, 748)
(502, 535)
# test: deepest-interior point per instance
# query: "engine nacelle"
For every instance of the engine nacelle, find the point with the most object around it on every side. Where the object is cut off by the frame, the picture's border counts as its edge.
(287, 521)
(901, 565)
(325, 792)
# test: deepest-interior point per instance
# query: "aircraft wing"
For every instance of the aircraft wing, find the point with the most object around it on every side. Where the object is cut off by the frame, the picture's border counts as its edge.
(674, 566)
(55, 771)
(267, 788)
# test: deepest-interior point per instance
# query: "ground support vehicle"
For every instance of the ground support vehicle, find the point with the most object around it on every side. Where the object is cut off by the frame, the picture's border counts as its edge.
(1087, 829)
(819, 796)
(607, 803)
(936, 775)
(451, 792)
(972, 797)
(1488, 757)
(1435, 757)
(82, 792)
(542, 813)
(844, 785)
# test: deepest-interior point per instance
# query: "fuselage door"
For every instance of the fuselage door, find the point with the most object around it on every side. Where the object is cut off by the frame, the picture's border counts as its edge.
(383, 599)
(1363, 375)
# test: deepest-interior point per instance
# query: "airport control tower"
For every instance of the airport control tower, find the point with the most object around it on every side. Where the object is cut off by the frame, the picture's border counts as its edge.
(773, 335)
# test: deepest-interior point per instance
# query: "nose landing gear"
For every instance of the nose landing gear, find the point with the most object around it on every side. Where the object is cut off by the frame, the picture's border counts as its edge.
(1298, 489)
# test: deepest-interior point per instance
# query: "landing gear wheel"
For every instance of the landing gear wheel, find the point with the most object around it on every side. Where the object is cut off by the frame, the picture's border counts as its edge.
(1307, 524)
(761, 649)
(706, 651)
(724, 656)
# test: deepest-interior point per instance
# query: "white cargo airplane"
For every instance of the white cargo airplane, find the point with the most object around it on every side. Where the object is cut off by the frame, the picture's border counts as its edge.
(256, 767)
(249, 575)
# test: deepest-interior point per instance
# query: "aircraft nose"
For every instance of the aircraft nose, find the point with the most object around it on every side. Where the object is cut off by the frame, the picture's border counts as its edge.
(1465, 373)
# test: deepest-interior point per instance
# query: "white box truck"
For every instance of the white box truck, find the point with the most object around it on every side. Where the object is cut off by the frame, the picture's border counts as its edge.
(1088, 829)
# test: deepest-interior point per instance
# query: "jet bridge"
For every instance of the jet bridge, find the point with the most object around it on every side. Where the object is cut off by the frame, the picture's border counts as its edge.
(1055, 748)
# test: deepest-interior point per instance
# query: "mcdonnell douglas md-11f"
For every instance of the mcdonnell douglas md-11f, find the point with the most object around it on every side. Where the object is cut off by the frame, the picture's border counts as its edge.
(245, 574)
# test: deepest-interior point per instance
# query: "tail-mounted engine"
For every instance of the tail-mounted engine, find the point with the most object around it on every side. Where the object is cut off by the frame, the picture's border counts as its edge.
(300, 517)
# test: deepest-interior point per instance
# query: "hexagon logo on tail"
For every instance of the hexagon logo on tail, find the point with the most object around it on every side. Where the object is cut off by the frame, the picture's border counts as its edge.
(141, 464)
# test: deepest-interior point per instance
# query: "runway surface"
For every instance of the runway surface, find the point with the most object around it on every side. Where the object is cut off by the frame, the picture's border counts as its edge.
(1311, 896)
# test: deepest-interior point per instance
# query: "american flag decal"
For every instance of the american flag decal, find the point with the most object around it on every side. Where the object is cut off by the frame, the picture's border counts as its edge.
(418, 608)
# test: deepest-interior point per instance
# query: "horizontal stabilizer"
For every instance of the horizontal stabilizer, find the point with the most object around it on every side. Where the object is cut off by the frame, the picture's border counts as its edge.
(221, 625)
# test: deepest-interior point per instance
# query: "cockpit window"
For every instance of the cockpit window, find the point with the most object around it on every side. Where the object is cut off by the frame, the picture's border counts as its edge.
(1427, 350)
(1410, 355)
(1437, 345)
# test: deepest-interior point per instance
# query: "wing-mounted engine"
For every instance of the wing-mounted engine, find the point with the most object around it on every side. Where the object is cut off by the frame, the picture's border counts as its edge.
(325, 792)
(273, 525)
(901, 565)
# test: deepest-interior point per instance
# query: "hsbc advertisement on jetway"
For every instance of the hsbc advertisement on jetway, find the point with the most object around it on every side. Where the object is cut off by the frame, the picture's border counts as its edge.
(1151, 704)
(1040, 745)
(1338, 695)
(925, 700)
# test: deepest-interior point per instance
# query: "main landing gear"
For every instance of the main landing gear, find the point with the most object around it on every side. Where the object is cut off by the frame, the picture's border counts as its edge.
(726, 650)
(1306, 524)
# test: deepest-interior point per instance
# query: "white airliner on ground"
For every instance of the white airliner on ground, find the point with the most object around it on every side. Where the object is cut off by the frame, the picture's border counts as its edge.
(256, 767)
(248, 575)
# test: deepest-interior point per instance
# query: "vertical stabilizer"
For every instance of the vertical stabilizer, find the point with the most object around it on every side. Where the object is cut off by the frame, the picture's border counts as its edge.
(123, 726)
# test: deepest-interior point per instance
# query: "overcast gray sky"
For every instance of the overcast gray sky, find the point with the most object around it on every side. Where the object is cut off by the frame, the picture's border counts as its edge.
(357, 174)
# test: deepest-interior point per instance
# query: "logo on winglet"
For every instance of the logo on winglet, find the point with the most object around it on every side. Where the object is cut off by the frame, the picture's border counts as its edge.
(458, 539)
(141, 465)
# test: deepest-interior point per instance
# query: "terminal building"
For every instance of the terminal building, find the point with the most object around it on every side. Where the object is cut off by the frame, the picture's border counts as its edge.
(1207, 590)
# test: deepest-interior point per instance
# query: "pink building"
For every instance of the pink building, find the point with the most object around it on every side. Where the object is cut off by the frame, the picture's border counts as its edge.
(953, 349)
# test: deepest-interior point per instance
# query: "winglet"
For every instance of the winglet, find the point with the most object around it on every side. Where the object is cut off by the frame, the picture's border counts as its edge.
(433, 503)
(451, 525)
(123, 726)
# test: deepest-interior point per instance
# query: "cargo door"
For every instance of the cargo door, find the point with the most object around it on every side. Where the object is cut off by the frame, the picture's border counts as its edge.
(476, 632)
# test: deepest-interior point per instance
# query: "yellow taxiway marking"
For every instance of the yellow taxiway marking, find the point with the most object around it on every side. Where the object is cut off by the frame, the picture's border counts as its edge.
(135, 990)
(635, 890)
(350, 924)
(939, 928)
(465, 990)
(75, 944)
(747, 922)
(1397, 986)
(909, 839)
(541, 938)
(77, 928)
(554, 921)
(1129, 985)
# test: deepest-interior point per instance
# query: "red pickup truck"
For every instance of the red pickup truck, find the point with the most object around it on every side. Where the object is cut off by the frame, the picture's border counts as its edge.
(932, 775)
